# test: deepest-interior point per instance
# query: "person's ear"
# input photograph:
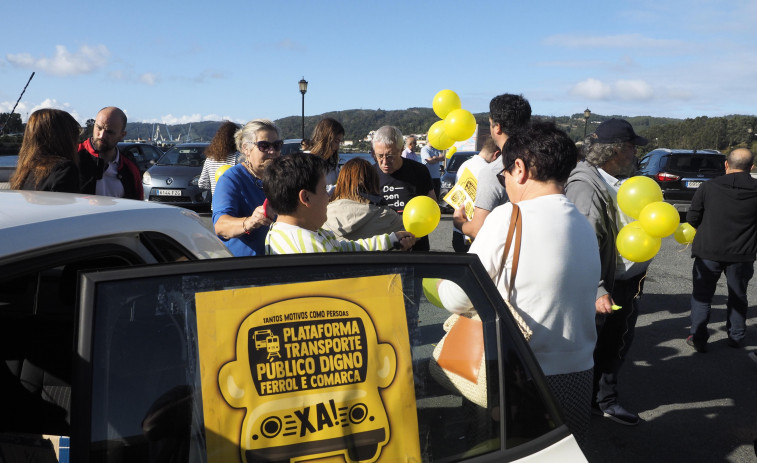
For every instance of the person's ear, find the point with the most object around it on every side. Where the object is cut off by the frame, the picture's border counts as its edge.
(304, 197)
(520, 171)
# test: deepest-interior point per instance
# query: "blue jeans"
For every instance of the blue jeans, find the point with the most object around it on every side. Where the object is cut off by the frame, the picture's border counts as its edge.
(706, 274)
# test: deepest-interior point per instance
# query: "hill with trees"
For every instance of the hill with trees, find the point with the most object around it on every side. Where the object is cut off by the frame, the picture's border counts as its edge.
(721, 133)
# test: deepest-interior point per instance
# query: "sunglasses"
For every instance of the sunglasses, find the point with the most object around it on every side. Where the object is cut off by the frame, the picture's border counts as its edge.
(501, 177)
(267, 145)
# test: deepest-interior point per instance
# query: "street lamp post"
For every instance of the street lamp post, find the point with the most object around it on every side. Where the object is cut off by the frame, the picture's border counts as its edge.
(587, 115)
(303, 90)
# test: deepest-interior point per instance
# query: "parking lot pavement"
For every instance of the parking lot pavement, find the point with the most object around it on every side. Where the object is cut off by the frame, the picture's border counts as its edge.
(695, 407)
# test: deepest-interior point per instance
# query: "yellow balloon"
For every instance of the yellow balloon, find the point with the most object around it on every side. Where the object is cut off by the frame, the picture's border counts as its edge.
(684, 234)
(635, 244)
(459, 124)
(451, 151)
(221, 170)
(659, 219)
(438, 138)
(429, 290)
(636, 193)
(444, 102)
(421, 216)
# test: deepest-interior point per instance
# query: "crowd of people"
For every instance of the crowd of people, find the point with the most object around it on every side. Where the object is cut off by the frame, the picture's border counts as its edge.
(583, 321)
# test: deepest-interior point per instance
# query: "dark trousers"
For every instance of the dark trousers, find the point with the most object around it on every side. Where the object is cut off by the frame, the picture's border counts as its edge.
(458, 242)
(437, 187)
(615, 333)
(706, 274)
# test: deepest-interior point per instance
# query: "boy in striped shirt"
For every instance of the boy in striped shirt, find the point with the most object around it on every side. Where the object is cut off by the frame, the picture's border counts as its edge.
(295, 186)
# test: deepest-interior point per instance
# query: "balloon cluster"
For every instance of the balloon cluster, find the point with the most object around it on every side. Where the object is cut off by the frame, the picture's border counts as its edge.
(457, 124)
(641, 198)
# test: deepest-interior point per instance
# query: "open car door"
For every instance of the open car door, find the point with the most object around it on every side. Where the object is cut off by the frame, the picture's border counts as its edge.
(294, 358)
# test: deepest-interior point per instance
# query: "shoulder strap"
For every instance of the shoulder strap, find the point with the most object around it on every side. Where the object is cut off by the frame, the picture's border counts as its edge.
(515, 222)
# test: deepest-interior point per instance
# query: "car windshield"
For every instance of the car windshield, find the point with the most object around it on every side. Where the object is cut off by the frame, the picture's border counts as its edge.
(183, 156)
(456, 161)
(697, 163)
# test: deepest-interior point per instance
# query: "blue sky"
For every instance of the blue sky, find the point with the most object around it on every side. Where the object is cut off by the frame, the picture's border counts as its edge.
(174, 62)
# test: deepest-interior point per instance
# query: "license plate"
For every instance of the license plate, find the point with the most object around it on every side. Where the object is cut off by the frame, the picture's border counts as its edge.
(169, 192)
(693, 184)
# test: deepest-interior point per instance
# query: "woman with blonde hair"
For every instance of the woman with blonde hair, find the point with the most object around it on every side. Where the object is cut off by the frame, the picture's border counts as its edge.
(47, 160)
(355, 210)
(240, 217)
(327, 136)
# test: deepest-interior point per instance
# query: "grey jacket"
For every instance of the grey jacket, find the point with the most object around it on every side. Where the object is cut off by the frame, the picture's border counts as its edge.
(352, 220)
(586, 189)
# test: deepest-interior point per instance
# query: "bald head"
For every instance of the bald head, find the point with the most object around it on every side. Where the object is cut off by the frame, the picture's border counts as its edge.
(113, 113)
(739, 160)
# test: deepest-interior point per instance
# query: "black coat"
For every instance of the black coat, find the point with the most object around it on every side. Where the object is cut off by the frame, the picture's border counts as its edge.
(724, 212)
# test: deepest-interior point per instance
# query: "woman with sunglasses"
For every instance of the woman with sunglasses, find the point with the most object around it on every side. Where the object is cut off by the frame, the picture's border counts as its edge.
(47, 160)
(558, 267)
(240, 217)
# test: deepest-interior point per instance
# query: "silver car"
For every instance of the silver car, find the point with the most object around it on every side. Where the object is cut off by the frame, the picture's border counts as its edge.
(174, 178)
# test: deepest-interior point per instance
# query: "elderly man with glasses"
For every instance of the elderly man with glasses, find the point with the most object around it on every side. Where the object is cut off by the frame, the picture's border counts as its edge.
(401, 179)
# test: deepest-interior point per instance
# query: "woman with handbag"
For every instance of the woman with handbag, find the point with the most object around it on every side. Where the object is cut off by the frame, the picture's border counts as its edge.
(549, 270)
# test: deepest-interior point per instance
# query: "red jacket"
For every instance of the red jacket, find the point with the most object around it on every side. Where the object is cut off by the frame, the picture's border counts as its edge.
(91, 169)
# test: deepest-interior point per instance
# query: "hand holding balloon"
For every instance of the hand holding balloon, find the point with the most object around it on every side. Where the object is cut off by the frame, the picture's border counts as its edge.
(406, 240)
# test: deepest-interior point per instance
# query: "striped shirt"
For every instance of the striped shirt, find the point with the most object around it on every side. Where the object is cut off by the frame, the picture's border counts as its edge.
(208, 175)
(284, 238)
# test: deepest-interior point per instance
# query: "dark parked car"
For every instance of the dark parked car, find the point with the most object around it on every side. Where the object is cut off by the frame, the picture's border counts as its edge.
(291, 145)
(7, 167)
(680, 172)
(173, 179)
(144, 154)
(450, 173)
(344, 157)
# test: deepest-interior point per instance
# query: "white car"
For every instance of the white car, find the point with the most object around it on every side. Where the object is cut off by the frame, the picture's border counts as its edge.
(203, 357)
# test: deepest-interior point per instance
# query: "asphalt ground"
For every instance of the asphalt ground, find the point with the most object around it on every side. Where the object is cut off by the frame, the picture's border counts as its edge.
(695, 407)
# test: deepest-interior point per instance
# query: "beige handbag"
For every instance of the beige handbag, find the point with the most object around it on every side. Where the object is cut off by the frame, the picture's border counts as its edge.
(457, 362)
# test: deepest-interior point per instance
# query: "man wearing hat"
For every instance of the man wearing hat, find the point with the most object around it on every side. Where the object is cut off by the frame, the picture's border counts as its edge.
(610, 158)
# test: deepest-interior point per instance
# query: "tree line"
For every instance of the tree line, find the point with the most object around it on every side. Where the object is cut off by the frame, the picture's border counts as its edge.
(721, 133)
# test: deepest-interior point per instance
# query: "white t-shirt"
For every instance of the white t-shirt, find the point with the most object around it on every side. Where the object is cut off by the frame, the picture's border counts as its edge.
(556, 283)
(110, 184)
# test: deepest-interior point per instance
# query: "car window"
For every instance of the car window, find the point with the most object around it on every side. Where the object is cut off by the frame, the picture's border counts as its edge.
(183, 156)
(695, 163)
(288, 358)
(456, 161)
(134, 152)
(37, 327)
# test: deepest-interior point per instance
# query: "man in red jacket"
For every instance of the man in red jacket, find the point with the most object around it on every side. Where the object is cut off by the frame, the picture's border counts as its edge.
(103, 169)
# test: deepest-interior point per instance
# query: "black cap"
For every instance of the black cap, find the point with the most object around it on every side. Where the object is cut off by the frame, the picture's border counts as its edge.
(615, 131)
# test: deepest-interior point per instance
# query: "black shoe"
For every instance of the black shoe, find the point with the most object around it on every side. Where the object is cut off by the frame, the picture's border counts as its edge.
(620, 415)
(735, 344)
(697, 346)
(753, 356)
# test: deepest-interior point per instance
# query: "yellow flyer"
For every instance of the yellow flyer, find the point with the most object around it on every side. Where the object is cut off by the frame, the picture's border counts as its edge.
(464, 192)
(315, 371)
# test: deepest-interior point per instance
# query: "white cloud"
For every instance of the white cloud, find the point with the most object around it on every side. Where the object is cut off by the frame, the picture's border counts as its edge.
(610, 41)
(64, 63)
(629, 90)
(55, 104)
(633, 90)
(148, 78)
(592, 89)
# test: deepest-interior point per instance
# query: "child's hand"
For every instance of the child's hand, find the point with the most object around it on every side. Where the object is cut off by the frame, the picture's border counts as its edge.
(406, 239)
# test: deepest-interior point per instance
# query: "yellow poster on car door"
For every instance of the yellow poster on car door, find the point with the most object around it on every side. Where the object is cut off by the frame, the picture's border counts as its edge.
(316, 371)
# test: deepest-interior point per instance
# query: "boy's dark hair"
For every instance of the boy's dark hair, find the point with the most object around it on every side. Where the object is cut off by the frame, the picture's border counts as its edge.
(286, 175)
(511, 112)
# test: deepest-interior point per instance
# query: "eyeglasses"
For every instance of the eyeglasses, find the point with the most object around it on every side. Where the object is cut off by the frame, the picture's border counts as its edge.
(267, 145)
(388, 157)
(501, 177)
